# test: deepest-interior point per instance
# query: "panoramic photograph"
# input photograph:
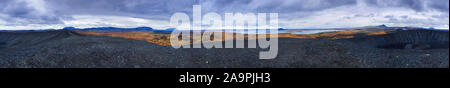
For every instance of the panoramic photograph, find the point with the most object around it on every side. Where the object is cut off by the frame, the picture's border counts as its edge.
(224, 34)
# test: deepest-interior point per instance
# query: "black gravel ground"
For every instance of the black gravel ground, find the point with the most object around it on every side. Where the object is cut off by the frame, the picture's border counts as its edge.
(67, 49)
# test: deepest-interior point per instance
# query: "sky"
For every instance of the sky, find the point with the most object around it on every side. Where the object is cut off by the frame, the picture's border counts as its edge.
(293, 14)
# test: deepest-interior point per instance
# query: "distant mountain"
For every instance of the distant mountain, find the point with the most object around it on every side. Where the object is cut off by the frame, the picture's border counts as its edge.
(118, 29)
(281, 29)
(110, 29)
(69, 28)
(432, 28)
(379, 26)
(143, 28)
(122, 29)
(382, 26)
(169, 29)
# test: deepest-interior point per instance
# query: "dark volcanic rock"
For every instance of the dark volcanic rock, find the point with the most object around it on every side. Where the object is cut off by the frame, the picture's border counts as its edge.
(411, 48)
(65, 48)
(411, 39)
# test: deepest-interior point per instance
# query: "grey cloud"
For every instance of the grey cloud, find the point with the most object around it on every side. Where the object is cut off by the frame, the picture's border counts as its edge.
(163, 9)
(23, 12)
(281, 6)
(418, 5)
(414, 4)
(442, 5)
(20, 11)
(152, 9)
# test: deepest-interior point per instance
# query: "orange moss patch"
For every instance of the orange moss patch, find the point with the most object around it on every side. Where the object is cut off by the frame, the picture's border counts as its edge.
(160, 39)
(164, 39)
(378, 33)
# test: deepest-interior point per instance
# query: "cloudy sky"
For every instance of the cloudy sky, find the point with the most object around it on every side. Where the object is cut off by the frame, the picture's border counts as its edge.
(56, 14)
